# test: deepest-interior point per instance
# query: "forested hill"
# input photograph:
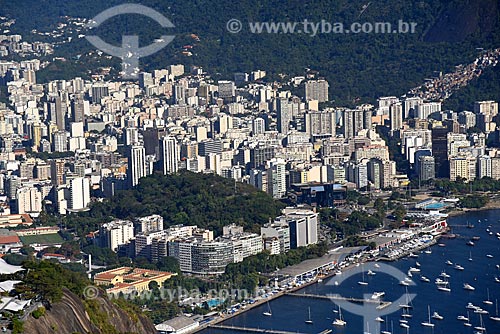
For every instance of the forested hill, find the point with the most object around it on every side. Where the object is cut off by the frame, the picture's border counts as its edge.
(206, 200)
(359, 67)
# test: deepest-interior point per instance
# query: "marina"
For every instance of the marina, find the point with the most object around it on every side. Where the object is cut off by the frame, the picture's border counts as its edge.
(290, 309)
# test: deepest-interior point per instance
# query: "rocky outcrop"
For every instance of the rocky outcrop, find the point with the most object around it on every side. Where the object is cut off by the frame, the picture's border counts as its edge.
(97, 316)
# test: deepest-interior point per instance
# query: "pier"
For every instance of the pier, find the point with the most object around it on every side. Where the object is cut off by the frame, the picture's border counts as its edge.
(349, 299)
(253, 330)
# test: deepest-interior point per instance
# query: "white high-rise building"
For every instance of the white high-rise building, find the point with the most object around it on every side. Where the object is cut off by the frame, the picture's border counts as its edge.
(483, 166)
(311, 219)
(79, 193)
(131, 136)
(169, 155)
(278, 229)
(136, 164)
(277, 178)
(463, 166)
(396, 116)
(60, 141)
(486, 108)
(320, 123)
(258, 126)
(29, 200)
(423, 110)
(116, 233)
(411, 104)
(384, 104)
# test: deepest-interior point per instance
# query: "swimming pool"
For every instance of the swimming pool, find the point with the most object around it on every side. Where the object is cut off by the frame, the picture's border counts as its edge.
(435, 206)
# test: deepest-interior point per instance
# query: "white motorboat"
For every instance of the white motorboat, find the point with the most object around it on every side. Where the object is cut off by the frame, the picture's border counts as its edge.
(424, 279)
(377, 295)
(437, 316)
(471, 306)
(444, 274)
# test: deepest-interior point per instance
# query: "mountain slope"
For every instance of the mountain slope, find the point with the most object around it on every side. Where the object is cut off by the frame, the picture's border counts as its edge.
(361, 66)
(98, 316)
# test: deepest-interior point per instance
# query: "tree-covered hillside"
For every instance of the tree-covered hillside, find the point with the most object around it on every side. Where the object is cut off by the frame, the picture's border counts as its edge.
(362, 66)
(206, 200)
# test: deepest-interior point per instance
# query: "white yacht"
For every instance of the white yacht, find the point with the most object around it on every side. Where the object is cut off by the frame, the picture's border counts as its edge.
(481, 325)
(444, 274)
(488, 301)
(428, 323)
(424, 279)
(377, 295)
(469, 287)
(437, 316)
(495, 317)
(363, 282)
(444, 287)
(471, 306)
(268, 313)
(339, 321)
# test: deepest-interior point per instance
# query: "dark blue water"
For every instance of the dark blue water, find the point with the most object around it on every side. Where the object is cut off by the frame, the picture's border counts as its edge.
(290, 313)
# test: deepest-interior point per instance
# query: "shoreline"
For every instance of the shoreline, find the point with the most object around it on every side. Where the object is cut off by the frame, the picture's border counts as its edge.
(489, 206)
(453, 213)
(350, 266)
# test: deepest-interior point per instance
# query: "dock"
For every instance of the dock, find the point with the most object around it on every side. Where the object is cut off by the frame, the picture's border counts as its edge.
(348, 299)
(253, 330)
(409, 251)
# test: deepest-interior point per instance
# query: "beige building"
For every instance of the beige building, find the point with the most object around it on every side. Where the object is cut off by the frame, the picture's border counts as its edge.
(464, 167)
(128, 280)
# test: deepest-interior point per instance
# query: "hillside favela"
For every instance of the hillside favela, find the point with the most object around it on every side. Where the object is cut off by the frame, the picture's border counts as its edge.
(322, 166)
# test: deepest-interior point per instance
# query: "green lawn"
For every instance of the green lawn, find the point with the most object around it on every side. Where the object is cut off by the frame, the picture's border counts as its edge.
(53, 238)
